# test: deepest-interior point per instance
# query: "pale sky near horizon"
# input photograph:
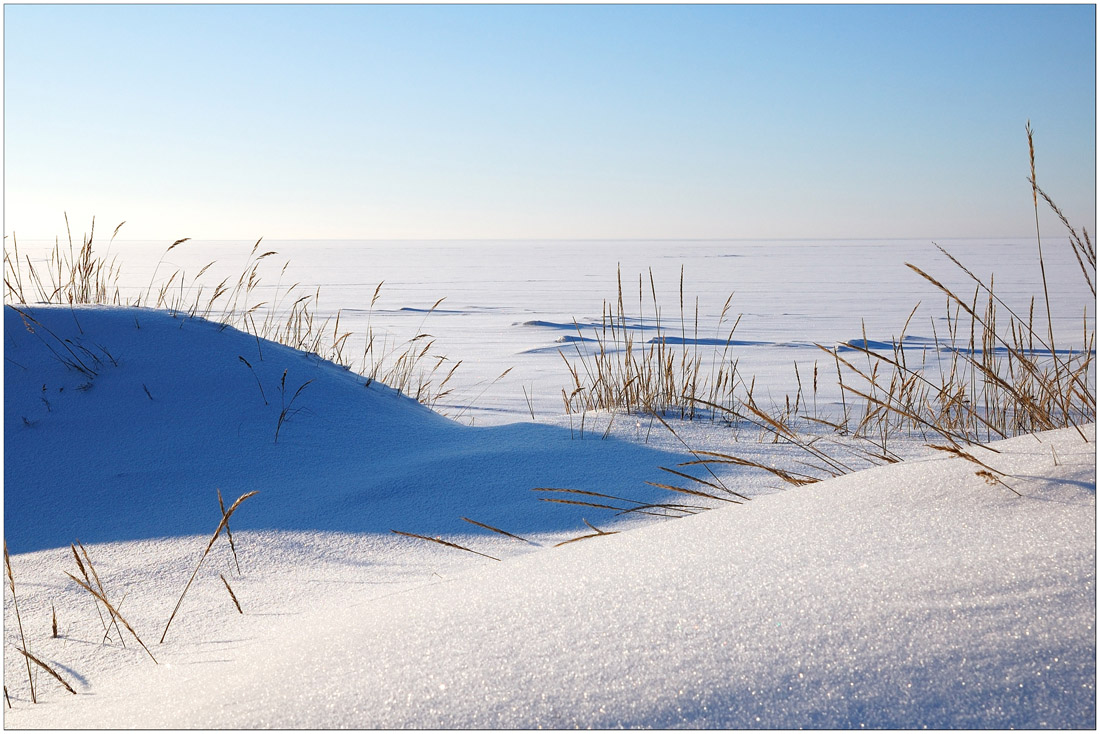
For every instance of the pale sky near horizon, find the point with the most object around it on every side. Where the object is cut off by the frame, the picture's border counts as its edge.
(376, 122)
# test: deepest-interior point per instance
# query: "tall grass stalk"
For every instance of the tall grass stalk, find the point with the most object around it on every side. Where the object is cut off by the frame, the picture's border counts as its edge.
(18, 619)
(221, 525)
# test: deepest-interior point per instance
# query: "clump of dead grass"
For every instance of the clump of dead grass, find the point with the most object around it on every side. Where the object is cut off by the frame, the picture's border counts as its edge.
(290, 315)
(626, 371)
(993, 373)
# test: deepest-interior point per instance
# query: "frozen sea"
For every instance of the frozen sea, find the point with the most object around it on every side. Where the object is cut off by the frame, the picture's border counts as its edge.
(516, 304)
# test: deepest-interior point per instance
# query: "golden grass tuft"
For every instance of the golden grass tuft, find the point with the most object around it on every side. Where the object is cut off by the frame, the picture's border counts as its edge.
(79, 276)
(624, 372)
(998, 374)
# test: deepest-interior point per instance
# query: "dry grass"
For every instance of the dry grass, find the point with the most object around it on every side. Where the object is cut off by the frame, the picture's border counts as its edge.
(229, 535)
(88, 579)
(995, 373)
(642, 508)
(84, 568)
(231, 594)
(498, 530)
(598, 533)
(289, 315)
(84, 573)
(440, 541)
(114, 612)
(999, 379)
(221, 526)
(48, 669)
(624, 371)
(18, 619)
(287, 409)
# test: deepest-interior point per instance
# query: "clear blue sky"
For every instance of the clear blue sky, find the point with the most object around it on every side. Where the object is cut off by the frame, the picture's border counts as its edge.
(545, 121)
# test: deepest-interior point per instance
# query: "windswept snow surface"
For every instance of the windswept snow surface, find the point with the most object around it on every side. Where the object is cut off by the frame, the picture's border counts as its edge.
(903, 596)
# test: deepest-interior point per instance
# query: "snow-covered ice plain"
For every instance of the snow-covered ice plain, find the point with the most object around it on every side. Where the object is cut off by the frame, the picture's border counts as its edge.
(908, 595)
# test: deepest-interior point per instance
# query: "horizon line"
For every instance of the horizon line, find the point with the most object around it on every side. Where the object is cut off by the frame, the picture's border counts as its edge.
(557, 239)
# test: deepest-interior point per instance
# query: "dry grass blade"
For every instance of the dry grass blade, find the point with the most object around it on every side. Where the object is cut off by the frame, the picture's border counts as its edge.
(48, 669)
(444, 542)
(225, 521)
(497, 530)
(84, 573)
(700, 481)
(258, 384)
(638, 506)
(719, 458)
(586, 492)
(956, 451)
(229, 534)
(582, 504)
(99, 585)
(682, 509)
(596, 534)
(684, 443)
(18, 619)
(7, 697)
(993, 479)
(112, 610)
(53, 626)
(231, 594)
(696, 492)
(1038, 239)
(287, 411)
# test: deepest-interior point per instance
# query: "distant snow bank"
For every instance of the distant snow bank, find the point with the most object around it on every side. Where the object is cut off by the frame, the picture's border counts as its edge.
(911, 595)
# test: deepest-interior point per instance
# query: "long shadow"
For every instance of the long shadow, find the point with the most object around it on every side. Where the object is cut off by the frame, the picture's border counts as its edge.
(138, 449)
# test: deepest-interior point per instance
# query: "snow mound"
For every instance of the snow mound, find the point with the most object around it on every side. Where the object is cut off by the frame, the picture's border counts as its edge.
(910, 595)
(120, 423)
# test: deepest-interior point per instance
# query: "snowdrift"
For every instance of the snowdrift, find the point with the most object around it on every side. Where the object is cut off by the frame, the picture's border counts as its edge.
(119, 424)
(911, 595)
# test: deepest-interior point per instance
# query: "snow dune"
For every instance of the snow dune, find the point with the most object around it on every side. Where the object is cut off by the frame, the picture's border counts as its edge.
(177, 408)
(912, 595)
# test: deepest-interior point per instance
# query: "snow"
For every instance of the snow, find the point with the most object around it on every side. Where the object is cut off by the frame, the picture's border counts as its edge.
(792, 294)
(909, 595)
(356, 458)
